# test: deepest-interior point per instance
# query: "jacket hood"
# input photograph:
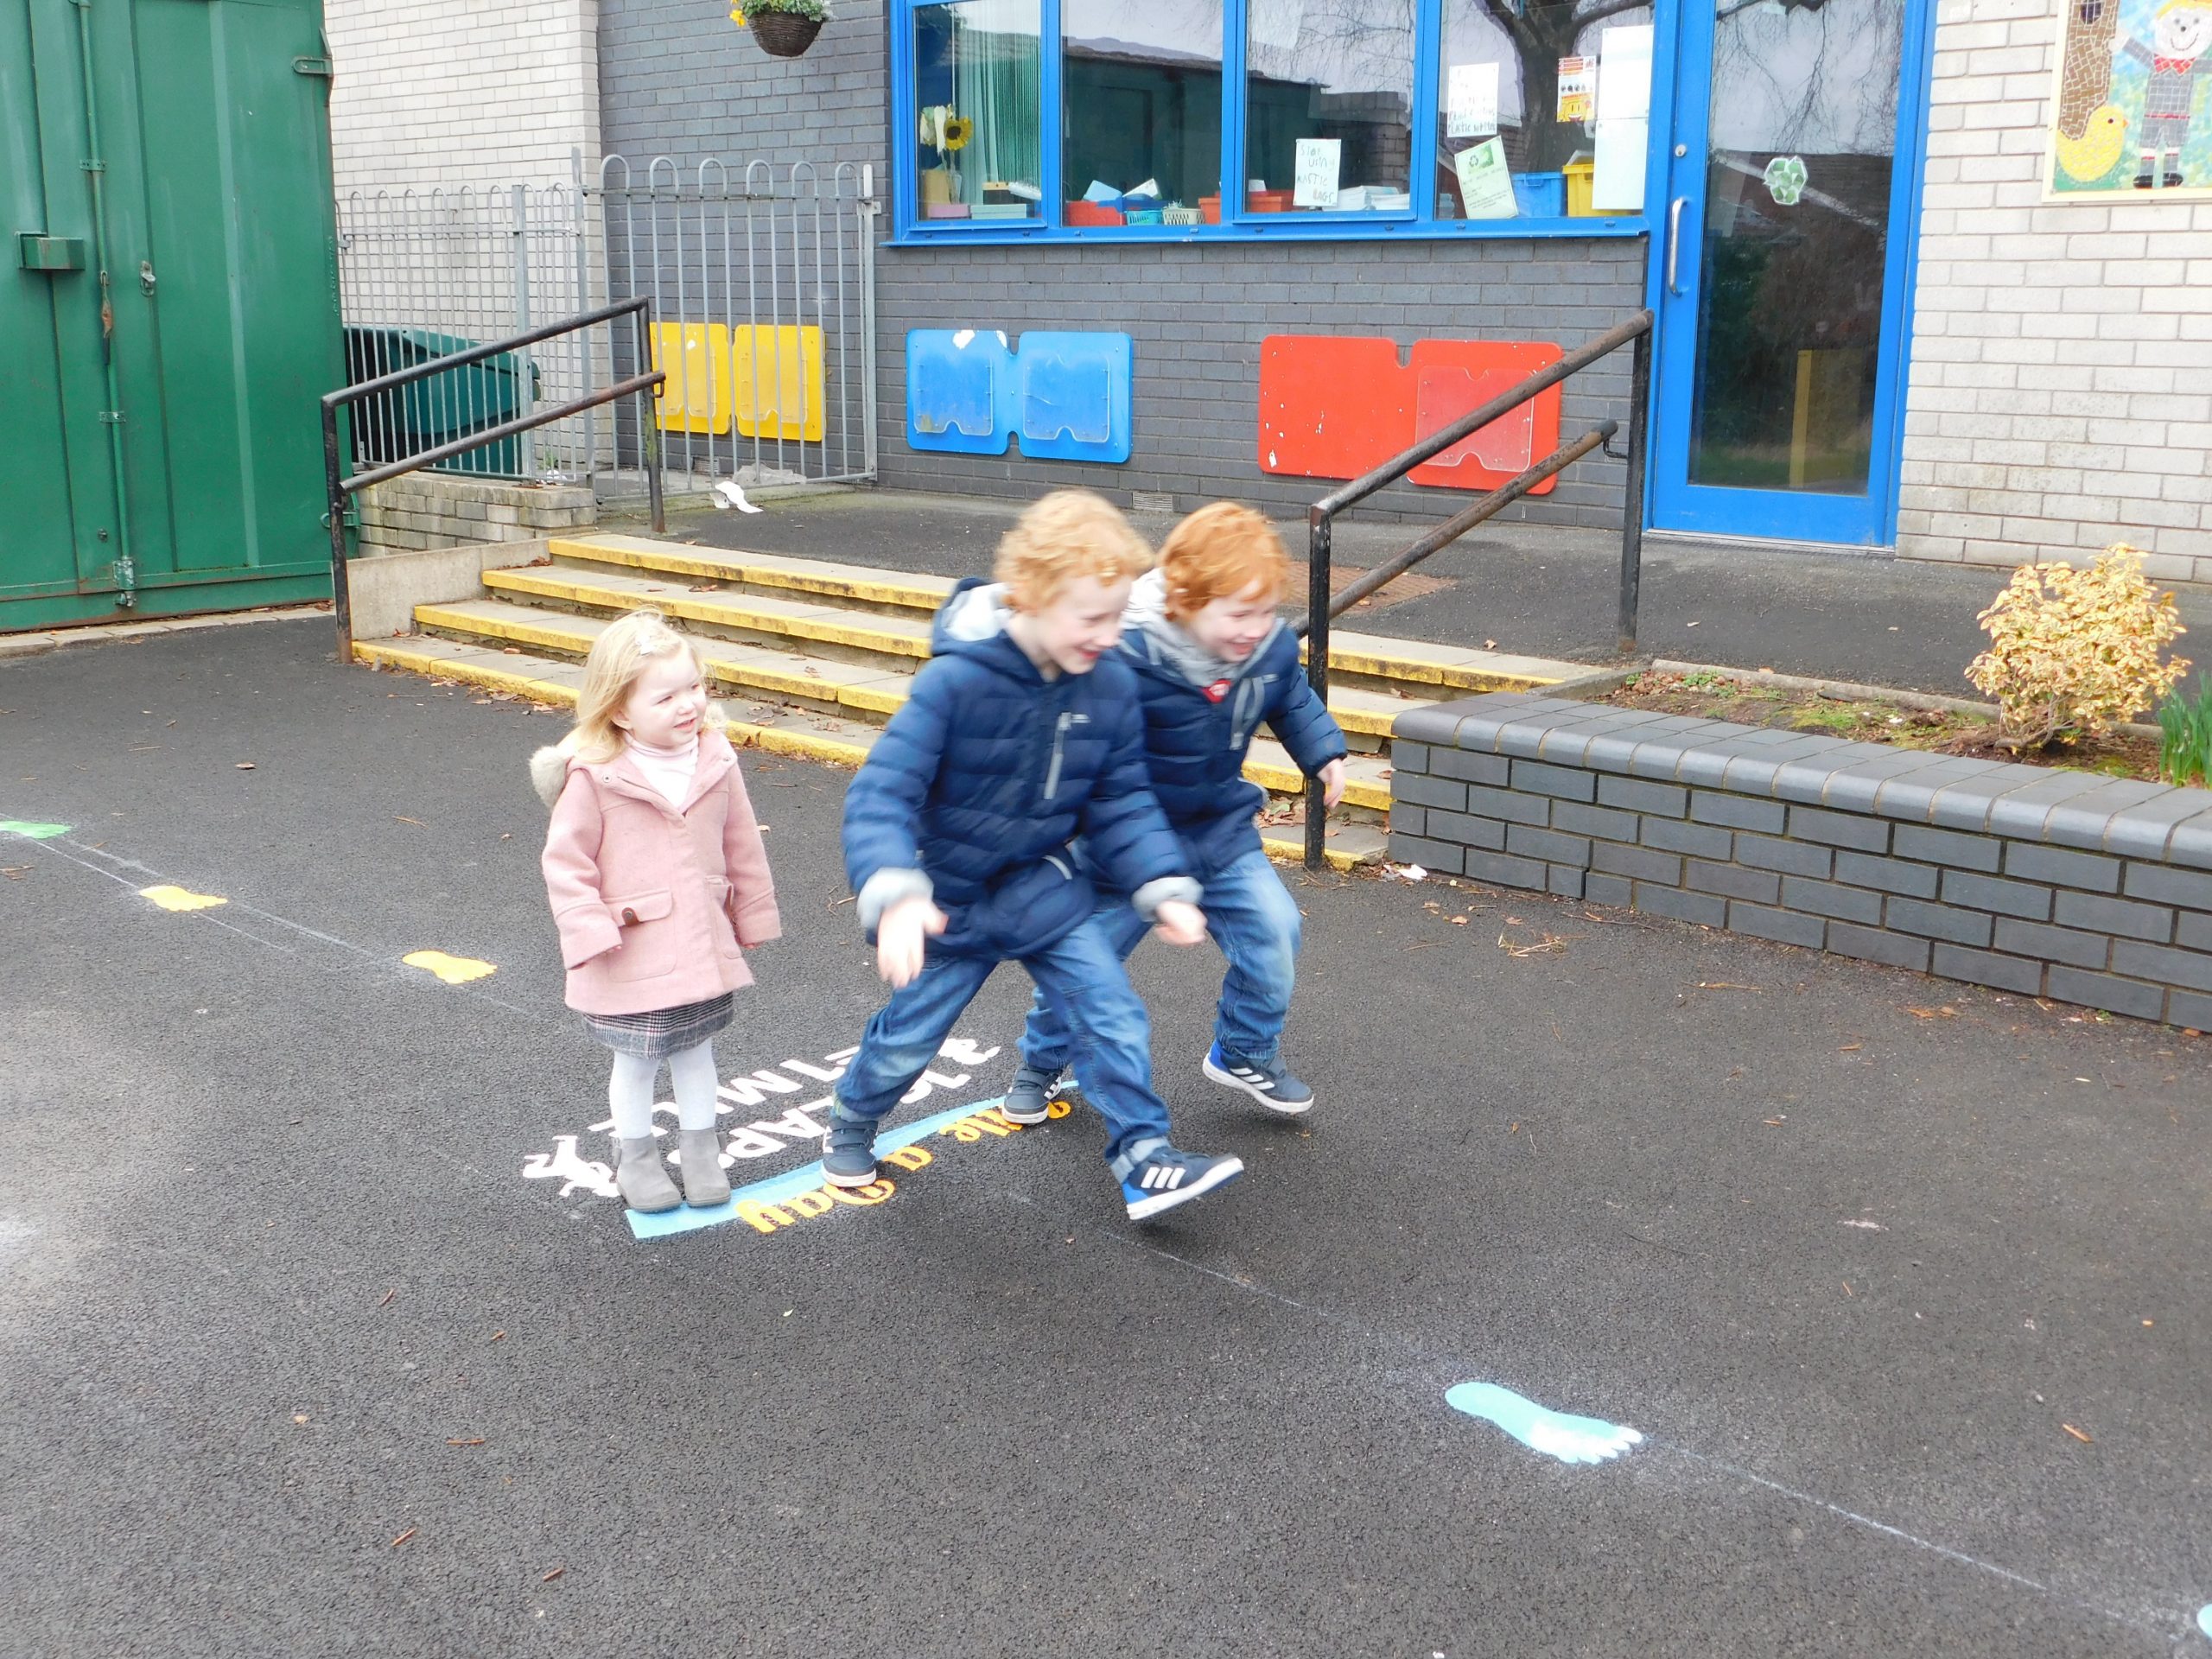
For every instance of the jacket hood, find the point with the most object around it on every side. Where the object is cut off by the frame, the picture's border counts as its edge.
(972, 623)
(551, 765)
(1148, 635)
(548, 771)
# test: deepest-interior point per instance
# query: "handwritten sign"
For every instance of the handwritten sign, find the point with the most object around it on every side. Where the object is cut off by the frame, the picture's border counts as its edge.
(1320, 163)
(1471, 100)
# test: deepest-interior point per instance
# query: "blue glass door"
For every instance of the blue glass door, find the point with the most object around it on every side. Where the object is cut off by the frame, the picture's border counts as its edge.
(1783, 271)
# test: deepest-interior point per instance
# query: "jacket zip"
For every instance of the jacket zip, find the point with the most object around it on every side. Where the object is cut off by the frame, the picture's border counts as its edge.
(1059, 744)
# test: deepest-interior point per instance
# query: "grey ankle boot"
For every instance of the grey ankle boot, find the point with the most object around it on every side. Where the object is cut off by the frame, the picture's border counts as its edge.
(700, 1151)
(642, 1177)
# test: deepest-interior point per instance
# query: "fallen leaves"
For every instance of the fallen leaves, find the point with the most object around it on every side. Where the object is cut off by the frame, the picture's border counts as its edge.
(417, 822)
(1543, 944)
(403, 1537)
(388, 1297)
(1729, 985)
(1946, 1012)
(478, 1441)
(2078, 1435)
(242, 766)
(548, 1578)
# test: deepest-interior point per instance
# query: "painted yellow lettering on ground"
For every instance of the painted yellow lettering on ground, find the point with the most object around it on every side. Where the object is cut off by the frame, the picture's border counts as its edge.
(804, 1207)
(177, 898)
(909, 1157)
(454, 970)
(763, 1217)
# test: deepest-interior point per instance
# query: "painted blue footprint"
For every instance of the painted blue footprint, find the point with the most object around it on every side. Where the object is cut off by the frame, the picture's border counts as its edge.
(1555, 1434)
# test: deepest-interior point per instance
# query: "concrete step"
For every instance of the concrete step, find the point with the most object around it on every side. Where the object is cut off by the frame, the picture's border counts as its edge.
(849, 689)
(557, 680)
(804, 625)
(860, 607)
(855, 586)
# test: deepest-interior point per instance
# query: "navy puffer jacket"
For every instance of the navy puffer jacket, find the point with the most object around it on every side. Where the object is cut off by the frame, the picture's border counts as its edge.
(979, 784)
(1197, 736)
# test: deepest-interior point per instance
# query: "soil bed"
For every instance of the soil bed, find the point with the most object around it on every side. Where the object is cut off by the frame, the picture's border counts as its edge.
(1716, 697)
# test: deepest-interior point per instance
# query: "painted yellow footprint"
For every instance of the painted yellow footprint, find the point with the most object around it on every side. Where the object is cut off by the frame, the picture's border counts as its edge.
(179, 898)
(454, 970)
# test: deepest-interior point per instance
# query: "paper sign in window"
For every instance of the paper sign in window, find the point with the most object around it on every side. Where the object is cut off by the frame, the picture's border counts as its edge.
(1485, 181)
(1471, 101)
(1320, 163)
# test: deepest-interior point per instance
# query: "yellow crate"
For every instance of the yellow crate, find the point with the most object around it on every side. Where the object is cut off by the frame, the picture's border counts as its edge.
(1581, 188)
(789, 381)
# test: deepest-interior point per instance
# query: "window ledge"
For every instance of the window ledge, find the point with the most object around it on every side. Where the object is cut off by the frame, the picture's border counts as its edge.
(955, 234)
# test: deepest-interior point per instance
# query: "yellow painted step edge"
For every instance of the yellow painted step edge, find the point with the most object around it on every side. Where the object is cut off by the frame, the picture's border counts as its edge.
(1294, 852)
(735, 569)
(774, 740)
(728, 612)
(1288, 781)
(1280, 780)
(516, 631)
(749, 677)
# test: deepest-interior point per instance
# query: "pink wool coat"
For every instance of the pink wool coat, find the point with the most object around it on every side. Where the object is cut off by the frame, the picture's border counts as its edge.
(653, 905)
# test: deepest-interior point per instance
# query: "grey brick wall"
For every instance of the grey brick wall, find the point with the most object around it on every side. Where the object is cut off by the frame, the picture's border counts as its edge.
(677, 79)
(2045, 882)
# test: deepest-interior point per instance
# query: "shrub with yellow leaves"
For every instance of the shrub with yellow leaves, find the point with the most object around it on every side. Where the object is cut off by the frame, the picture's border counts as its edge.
(2074, 653)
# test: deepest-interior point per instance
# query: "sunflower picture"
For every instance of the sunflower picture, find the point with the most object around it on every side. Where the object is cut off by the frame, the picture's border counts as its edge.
(958, 130)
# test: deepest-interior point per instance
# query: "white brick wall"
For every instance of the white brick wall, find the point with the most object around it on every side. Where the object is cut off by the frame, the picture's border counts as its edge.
(433, 93)
(2060, 391)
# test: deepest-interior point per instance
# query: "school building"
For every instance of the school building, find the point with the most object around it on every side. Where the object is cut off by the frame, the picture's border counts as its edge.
(1926, 278)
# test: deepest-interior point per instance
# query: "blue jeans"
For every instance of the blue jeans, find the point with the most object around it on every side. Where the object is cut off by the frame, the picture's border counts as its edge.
(1254, 921)
(1111, 1041)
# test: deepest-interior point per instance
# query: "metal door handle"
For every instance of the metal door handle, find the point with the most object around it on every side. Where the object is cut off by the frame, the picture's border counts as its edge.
(1674, 241)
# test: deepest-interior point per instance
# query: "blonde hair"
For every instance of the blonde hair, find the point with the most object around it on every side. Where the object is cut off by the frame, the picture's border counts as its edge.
(1063, 538)
(1216, 553)
(625, 649)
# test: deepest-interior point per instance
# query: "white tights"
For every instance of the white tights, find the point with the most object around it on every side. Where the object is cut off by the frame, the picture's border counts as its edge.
(630, 1091)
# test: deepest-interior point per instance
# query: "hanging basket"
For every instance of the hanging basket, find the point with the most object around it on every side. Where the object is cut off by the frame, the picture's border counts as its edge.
(783, 34)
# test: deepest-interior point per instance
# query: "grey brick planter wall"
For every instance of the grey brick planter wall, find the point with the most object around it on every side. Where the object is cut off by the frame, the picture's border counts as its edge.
(2050, 883)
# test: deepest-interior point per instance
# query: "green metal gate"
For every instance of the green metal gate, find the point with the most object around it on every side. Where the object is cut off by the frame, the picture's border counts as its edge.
(169, 306)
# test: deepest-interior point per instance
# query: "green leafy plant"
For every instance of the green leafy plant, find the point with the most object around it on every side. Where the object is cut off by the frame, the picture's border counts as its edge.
(813, 10)
(2074, 653)
(2185, 735)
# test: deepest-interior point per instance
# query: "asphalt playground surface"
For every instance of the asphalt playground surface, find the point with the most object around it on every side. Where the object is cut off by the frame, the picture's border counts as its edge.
(1906, 1284)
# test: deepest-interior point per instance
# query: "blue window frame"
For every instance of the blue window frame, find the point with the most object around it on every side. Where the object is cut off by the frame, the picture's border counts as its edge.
(1166, 120)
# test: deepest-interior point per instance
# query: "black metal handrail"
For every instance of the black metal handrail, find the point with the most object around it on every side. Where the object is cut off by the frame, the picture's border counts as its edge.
(1320, 518)
(338, 488)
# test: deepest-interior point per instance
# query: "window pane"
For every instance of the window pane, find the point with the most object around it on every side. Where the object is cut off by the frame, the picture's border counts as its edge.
(1141, 79)
(975, 92)
(1501, 65)
(1329, 91)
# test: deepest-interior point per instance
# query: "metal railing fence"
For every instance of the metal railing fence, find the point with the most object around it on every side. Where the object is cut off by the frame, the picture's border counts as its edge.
(1323, 605)
(762, 285)
(385, 388)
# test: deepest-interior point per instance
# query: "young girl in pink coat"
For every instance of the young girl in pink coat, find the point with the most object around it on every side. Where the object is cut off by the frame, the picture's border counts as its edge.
(657, 876)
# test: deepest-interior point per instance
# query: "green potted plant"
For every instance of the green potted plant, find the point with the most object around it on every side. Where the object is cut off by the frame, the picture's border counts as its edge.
(784, 28)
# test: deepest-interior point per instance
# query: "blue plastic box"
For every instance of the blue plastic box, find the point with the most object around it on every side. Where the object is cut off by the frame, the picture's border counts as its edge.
(1541, 195)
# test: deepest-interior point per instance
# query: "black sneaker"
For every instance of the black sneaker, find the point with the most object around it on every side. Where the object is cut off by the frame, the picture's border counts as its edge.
(1030, 1095)
(1273, 1086)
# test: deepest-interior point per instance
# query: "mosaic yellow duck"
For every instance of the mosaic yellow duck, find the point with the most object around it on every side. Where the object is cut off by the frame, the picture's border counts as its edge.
(2097, 150)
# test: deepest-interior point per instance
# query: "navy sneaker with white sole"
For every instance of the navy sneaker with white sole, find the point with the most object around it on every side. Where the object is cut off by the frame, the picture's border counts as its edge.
(1272, 1085)
(1029, 1096)
(1169, 1177)
(848, 1152)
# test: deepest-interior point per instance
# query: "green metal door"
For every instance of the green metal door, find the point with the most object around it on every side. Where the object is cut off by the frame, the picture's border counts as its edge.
(169, 308)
